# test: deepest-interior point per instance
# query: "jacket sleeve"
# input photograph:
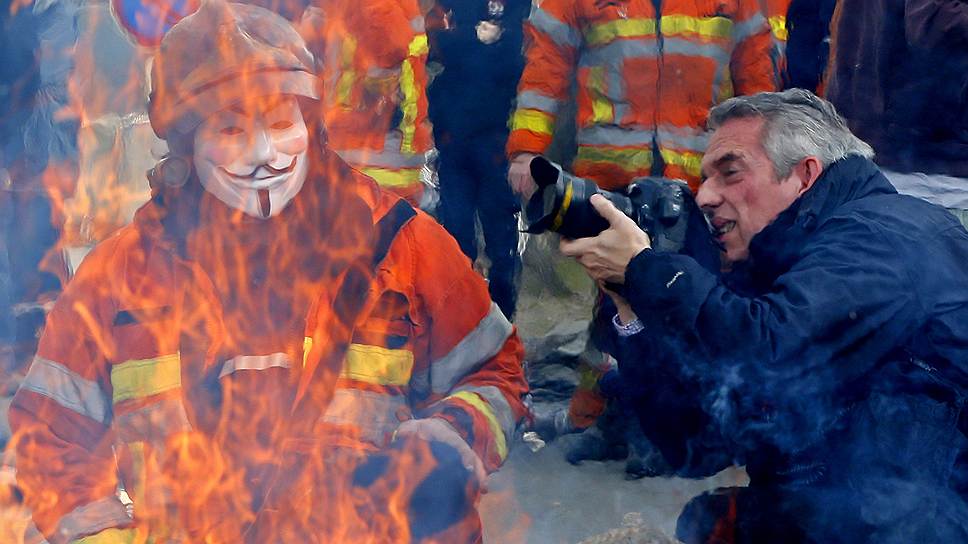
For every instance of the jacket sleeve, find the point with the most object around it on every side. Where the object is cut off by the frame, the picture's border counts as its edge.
(62, 414)
(752, 66)
(933, 23)
(766, 360)
(553, 37)
(475, 375)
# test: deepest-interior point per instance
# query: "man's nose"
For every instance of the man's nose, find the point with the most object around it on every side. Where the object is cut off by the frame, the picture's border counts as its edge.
(707, 197)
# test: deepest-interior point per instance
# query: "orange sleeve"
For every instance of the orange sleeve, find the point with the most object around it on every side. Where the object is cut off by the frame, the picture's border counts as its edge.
(752, 65)
(475, 373)
(553, 39)
(61, 415)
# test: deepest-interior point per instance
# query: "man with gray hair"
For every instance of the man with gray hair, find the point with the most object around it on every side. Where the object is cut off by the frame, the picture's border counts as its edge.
(831, 358)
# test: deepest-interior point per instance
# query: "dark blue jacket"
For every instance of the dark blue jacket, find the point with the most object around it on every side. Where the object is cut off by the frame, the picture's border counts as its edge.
(832, 364)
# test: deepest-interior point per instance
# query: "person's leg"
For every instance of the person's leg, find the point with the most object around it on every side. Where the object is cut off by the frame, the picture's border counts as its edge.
(457, 190)
(497, 207)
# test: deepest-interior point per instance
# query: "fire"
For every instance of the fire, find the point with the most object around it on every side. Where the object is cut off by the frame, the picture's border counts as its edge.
(243, 399)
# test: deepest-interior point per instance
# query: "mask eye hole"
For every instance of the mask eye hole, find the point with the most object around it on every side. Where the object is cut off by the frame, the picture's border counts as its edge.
(281, 125)
(230, 131)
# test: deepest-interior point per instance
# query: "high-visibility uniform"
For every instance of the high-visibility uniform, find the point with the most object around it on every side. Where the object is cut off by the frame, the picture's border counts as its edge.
(775, 12)
(646, 80)
(150, 369)
(374, 90)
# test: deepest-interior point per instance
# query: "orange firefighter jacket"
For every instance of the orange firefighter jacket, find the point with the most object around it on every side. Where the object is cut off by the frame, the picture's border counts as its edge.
(117, 375)
(374, 90)
(645, 80)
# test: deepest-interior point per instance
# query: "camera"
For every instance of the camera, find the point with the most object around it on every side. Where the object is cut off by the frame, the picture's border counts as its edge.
(663, 208)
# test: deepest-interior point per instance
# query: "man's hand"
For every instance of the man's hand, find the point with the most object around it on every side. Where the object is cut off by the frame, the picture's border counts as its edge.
(607, 255)
(519, 175)
(436, 429)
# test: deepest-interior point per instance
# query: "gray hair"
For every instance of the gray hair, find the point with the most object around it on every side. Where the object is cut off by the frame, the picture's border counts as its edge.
(798, 124)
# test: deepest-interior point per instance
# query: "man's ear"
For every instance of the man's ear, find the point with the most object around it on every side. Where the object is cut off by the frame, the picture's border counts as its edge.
(806, 172)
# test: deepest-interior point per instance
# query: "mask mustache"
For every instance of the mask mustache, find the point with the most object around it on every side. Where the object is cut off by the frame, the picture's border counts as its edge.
(273, 171)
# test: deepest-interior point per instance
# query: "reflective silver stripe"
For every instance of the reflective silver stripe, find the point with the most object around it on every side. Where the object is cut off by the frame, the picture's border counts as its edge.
(390, 157)
(537, 101)
(255, 362)
(67, 388)
(681, 46)
(754, 25)
(692, 139)
(376, 72)
(153, 423)
(615, 52)
(417, 24)
(373, 414)
(89, 519)
(482, 343)
(561, 33)
(499, 405)
(614, 135)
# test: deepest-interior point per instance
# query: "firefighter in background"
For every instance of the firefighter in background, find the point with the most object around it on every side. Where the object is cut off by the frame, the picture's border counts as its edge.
(374, 57)
(647, 74)
(775, 12)
(275, 347)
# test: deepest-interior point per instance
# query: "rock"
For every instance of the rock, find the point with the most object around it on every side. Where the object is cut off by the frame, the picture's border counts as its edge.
(634, 531)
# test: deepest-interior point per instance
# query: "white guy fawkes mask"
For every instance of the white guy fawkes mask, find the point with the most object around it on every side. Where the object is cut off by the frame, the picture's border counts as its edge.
(253, 156)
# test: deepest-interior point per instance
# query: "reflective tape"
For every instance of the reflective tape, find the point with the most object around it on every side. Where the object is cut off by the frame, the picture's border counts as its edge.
(614, 135)
(630, 160)
(417, 24)
(535, 101)
(485, 409)
(153, 423)
(373, 414)
(692, 139)
(408, 87)
(390, 157)
(561, 33)
(778, 27)
(479, 345)
(601, 107)
(254, 362)
(378, 365)
(754, 25)
(690, 162)
(616, 52)
(418, 46)
(145, 377)
(534, 121)
(386, 177)
(89, 519)
(68, 389)
(499, 407)
(603, 33)
(707, 27)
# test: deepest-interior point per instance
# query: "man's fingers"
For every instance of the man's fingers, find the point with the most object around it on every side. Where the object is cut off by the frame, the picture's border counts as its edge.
(575, 248)
(607, 210)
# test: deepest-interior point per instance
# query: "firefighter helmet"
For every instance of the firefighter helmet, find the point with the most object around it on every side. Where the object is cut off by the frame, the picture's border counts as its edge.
(221, 54)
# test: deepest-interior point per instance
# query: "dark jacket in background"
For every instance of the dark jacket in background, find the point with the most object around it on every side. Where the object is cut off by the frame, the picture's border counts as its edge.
(834, 365)
(808, 44)
(474, 93)
(899, 75)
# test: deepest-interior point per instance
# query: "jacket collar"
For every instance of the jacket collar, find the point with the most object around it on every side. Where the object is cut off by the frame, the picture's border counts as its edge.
(774, 250)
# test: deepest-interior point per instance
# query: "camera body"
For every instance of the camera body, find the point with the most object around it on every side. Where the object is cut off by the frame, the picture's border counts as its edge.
(663, 208)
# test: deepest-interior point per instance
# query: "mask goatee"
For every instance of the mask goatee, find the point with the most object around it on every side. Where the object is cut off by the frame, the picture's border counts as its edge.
(264, 203)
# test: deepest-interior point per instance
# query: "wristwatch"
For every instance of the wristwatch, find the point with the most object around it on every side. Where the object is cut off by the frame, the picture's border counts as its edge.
(632, 327)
